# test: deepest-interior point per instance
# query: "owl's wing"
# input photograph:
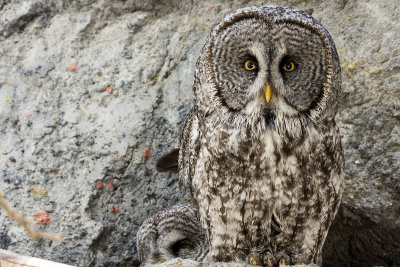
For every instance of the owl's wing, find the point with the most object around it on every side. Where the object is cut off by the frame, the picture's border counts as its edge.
(189, 144)
(183, 159)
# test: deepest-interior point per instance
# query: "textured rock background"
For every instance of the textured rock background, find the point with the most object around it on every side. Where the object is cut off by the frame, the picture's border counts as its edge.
(71, 143)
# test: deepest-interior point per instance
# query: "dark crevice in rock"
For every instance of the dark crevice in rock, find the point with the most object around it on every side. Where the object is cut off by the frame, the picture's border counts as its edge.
(19, 23)
(355, 240)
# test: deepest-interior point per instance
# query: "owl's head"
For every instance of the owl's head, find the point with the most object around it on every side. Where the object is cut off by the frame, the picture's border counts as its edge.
(268, 62)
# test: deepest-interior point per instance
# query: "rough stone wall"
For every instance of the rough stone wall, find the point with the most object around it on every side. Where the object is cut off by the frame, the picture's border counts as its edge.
(92, 92)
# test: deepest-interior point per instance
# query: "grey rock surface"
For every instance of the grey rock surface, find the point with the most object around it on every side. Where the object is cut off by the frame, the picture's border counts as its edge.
(92, 92)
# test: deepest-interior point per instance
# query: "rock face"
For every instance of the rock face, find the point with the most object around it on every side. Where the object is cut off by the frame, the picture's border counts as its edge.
(91, 93)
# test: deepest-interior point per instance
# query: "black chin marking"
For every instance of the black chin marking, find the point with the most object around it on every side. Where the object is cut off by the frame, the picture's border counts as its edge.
(269, 117)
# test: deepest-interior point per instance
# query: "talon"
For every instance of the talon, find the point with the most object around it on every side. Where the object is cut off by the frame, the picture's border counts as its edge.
(157, 261)
(253, 259)
(282, 259)
(269, 260)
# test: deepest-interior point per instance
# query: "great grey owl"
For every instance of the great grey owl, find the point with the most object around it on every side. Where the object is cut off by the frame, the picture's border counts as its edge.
(260, 150)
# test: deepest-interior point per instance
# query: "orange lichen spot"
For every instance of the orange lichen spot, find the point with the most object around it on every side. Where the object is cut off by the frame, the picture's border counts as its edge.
(42, 218)
(10, 83)
(108, 89)
(110, 185)
(211, 7)
(27, 115)
(186, 100)
(115, 210)
(99, 184)
(73, 68)
(146, 153)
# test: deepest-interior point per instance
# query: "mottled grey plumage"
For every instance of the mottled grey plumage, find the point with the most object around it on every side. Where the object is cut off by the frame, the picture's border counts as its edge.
(266, 176)
(175, 232)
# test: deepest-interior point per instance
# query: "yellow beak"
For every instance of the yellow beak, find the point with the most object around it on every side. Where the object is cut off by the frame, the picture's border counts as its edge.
(268, 93)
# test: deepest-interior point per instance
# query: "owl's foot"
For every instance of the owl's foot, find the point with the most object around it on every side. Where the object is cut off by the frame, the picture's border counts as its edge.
(157, 261)
(269, 260)
(282, 259)
(253, 259)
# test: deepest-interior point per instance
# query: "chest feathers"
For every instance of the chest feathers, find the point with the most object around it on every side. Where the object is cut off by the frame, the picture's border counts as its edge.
(276, 188)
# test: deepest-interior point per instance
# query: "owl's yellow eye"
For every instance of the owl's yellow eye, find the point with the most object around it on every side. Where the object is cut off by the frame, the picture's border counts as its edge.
(250, 65)
(289, 66)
